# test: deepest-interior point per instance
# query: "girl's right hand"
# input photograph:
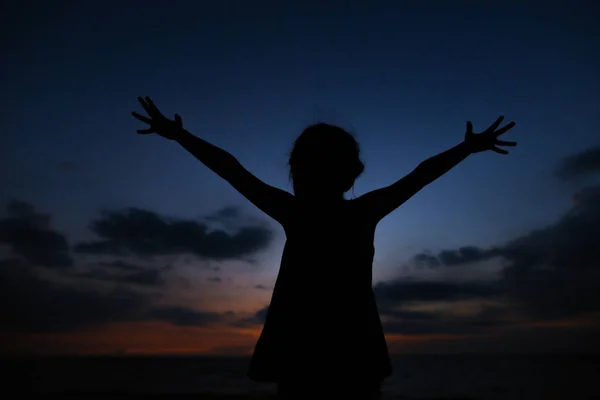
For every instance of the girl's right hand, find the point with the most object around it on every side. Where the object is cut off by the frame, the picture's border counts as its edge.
(488, 139)
(167, 128)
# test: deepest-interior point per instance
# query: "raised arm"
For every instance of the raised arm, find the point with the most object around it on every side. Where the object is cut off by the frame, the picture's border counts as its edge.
(381, 202)
(273, 201)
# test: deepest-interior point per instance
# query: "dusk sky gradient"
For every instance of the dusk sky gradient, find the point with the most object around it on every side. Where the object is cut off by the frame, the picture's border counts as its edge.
(78, 185)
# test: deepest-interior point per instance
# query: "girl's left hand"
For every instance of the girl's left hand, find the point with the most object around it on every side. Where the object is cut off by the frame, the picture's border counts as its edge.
(488, 139)
(165, 127)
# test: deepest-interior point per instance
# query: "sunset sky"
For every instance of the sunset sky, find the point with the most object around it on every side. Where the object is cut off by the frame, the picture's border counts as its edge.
(112, 242)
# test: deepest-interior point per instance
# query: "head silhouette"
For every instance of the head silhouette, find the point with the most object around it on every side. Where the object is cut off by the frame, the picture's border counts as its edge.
(324, 162)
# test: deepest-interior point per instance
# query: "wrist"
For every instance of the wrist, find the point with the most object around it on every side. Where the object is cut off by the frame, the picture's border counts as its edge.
(466, 148)
(181, 134)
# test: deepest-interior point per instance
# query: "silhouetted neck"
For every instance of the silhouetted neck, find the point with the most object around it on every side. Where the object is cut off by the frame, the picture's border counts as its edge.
(323, 201)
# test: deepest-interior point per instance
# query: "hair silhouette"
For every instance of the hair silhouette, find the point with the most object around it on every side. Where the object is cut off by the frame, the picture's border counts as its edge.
(324, 159)
(322, 333)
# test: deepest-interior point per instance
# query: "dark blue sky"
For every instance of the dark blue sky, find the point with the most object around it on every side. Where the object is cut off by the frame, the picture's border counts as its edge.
(248, 76)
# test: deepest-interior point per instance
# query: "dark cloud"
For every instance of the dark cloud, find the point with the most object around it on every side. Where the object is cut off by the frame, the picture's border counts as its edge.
(555, 271)
(549, 274)
(419, 322)
(187, 317)
(392, 296)
(148, 277)
(145, 233)
(261, 315)
(224, 214)
(122, 266)
(214, 279)
(426, 260)
(257, 319)
(462, 255)
(449, 258)
(580, 164)
(407, 291)
(29, 234)
(261, 287)
(38, 305)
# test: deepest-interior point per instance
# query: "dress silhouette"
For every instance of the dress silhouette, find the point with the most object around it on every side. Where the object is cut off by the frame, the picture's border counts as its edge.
(322, 332)
(322, 323)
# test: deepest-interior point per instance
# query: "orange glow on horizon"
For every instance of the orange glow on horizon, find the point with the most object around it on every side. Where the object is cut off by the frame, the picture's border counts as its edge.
(158, 338)
(150, 338)
(162, 338)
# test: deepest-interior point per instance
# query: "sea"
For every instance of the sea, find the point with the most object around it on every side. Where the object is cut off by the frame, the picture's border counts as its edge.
(481, 376)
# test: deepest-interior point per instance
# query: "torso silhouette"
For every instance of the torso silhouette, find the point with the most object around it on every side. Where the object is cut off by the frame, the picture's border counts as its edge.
(323, 321)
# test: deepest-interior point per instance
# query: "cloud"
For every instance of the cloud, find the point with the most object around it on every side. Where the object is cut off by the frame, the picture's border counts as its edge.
(261, 315)
(548, 274)
(407, 291)
(410, 322)
(214, 279)
(395, 297)
(450, 258)
(555, 271)
(29, 234)
(145, 233)
(426, 260)
(122, 266)
(258, 318)
(35, 304)
(187, 317)
(224, 214)
(38, 305)
(581, 164)
(64, 300)
(149, 277)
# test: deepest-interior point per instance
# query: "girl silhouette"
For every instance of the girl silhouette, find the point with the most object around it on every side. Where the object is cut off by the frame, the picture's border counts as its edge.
(322, 332)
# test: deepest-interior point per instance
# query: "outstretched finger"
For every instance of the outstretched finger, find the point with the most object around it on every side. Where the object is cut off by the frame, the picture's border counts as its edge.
(151, 104)
(141, 117)
(499, 150)
(505, 128)
(495, 124)
(504, 143)
(144, 104)
(469, 127)
(145, 131)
